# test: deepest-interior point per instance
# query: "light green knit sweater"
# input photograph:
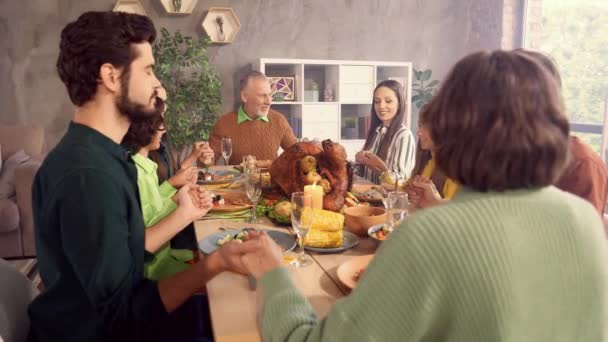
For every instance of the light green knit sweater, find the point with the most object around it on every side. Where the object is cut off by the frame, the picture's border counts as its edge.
(515, 266)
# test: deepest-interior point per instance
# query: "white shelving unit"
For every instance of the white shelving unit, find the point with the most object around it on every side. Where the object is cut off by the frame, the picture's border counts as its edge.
(347, 118)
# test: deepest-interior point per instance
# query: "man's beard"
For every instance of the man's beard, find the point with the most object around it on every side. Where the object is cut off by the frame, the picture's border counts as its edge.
(136, 111)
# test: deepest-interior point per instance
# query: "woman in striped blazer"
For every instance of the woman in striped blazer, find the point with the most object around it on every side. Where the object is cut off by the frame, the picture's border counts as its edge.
(390, 145)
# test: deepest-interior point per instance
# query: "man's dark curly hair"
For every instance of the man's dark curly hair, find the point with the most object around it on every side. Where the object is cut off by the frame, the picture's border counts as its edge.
(94, 39)
(141, 132)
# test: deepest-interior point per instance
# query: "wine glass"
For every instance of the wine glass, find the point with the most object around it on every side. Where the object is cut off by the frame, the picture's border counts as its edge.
(389, 181)
(226, 149)
(249, 162)
(301, 221)
(396, 209)
(253, 188)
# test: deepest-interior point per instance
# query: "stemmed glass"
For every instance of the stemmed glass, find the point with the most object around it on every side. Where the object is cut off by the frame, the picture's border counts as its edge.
(389, 181)
(396, 209)
(226, 149)
(253, 188)
(249, 161)
(301, 221)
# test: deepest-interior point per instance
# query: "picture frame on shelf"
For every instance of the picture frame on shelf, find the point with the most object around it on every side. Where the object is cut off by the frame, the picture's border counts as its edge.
(282, 88)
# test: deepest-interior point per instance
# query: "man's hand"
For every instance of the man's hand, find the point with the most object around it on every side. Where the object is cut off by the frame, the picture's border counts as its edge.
(193, 201)
(183, 176)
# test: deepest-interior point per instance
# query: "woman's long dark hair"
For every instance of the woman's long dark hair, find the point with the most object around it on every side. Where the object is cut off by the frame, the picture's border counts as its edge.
(395, 124)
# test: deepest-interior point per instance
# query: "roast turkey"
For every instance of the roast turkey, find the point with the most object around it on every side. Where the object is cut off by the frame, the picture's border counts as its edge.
(286, 172)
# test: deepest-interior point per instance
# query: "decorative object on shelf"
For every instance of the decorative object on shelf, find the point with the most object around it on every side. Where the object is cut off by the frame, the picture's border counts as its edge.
(278, 97)
(179, 7)
(221, 36)
(221, 25)
(328, 93)
(129, 6)
(193, 87)
(312, 95)
(284, 85)
(423, 92)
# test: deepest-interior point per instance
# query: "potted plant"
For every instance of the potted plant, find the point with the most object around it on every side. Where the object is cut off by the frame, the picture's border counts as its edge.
(193, 87)
(423, 92)
(312, 94)
(349, 128)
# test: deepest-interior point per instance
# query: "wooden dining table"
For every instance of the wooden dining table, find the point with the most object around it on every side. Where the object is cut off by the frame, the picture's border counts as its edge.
(232, 303)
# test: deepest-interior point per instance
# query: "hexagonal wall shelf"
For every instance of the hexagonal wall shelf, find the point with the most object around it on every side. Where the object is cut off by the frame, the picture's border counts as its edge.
(187, 6)
(129, 6)
(221, 25)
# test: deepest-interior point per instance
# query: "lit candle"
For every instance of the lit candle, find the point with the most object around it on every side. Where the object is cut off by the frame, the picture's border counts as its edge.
(316, 192)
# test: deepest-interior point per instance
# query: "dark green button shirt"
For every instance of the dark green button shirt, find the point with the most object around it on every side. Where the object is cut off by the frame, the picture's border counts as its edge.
(90, 244)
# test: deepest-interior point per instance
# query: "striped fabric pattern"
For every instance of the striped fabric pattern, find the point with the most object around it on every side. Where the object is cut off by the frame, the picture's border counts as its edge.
(401, 153)
(518, 266)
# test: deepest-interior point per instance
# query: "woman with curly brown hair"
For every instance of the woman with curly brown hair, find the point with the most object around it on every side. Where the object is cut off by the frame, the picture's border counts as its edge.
(157, 200)
(509, 258)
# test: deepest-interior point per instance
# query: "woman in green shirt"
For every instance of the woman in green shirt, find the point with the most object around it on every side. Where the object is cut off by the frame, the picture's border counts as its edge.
(157, 200)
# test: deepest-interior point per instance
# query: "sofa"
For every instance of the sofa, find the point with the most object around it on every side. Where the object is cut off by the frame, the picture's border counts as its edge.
(16, 219)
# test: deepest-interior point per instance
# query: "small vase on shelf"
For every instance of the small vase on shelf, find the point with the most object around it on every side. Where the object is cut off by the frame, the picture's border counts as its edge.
(220, 35)
(177, 5)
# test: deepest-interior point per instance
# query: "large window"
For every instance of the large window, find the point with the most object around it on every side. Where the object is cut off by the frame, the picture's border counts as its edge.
(575, 34)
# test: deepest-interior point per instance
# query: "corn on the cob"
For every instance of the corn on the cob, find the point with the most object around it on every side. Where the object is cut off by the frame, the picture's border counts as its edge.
(323, 219)
(323, 239)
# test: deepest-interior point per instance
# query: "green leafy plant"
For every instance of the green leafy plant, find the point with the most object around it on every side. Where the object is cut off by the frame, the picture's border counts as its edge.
(423, 91)
(193, 87)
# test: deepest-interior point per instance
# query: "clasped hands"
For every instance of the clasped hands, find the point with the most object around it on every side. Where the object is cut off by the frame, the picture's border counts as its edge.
(422, 193)
(258, 255)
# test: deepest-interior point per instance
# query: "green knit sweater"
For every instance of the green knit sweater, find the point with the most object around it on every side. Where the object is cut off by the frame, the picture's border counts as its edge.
(515, 266)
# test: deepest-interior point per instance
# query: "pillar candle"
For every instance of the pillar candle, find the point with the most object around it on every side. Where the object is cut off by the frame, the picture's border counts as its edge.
(316, 191)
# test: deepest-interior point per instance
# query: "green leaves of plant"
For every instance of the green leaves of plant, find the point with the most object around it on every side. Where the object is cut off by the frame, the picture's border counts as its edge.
(193, 87)
(423, 92)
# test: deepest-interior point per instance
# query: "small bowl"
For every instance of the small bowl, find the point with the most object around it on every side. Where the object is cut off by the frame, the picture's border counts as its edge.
(374, 229)
(360, 218)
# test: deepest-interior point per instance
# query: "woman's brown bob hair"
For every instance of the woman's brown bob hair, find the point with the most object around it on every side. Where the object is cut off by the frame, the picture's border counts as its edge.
(498, 123)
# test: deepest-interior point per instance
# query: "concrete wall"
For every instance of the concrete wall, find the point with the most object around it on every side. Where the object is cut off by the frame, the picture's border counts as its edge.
(429, 33)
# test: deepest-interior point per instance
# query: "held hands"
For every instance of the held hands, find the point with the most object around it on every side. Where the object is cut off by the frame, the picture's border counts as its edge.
(204, 151)
(200, 151)
(256, 256)
(422, 192)
(183, 176)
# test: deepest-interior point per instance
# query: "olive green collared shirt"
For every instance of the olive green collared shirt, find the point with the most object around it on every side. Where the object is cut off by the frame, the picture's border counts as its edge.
(90, 244)
(242, 116)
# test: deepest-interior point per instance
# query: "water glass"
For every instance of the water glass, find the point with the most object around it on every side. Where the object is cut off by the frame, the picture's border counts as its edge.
(253, 188)
(249, 162)
(226, 149)
(300, 203)
(396, 208)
